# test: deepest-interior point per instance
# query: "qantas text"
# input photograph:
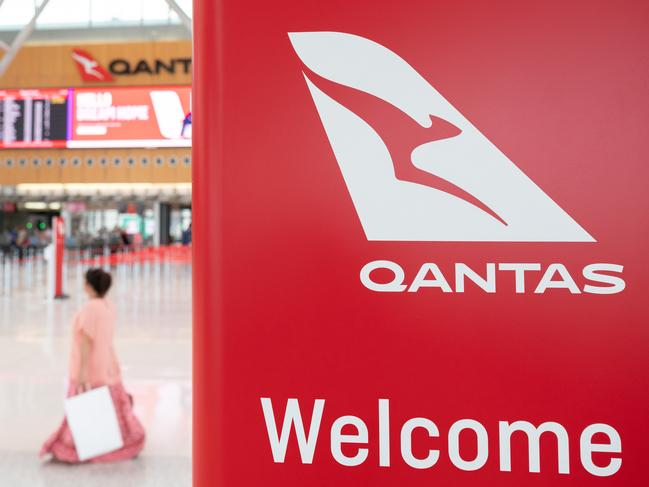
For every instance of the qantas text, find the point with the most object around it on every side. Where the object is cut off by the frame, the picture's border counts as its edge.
(596, 278)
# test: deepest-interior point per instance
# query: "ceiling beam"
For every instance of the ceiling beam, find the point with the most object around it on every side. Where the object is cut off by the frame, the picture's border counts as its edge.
(21, 38)
(184, 18)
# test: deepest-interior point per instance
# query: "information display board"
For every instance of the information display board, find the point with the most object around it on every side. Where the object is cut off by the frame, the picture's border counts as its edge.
(34, 119)
(420, 243)
(96, 117)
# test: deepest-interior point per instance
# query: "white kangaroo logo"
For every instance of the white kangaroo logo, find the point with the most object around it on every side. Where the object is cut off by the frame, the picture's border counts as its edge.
(88, 65)
(480, 194)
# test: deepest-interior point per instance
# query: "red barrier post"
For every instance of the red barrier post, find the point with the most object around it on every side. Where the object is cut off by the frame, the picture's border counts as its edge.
(58, 235)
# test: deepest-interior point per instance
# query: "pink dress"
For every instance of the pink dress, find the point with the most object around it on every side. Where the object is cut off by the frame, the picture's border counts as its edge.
(96, 320)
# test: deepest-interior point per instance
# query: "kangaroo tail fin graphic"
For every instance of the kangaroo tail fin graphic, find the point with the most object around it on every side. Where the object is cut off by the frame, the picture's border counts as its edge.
(401, 135)
(416, 168)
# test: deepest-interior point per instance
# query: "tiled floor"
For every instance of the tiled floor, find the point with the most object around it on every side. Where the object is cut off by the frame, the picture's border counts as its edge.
(20, 469)
(154, 345)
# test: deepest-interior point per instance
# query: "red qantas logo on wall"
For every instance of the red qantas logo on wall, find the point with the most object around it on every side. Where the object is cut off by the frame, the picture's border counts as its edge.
(415, 167)
(89, 68)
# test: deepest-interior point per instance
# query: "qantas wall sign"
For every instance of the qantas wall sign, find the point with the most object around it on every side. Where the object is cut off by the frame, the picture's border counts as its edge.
(92, 71)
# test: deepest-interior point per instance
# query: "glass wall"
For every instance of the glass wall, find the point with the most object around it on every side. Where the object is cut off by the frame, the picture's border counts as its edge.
(90, 13)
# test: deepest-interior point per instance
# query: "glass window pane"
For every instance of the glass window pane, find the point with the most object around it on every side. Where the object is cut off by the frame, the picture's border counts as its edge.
(186, 5)
(76, 13)
(102, 11)
(155, 11)
(15, 13)
(129, 11)
(126, 10)
(65, 13)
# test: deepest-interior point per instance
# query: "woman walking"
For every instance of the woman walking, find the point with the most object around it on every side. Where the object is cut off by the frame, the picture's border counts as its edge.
(93, 363)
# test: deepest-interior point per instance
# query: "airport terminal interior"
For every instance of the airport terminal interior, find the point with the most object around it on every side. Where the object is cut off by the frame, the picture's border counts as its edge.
(95, 172)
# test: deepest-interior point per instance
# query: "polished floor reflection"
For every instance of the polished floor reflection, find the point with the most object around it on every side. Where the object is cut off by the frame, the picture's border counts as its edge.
(154, 345)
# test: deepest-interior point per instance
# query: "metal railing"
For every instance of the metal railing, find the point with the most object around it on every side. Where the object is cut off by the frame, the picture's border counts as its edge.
(25, 270)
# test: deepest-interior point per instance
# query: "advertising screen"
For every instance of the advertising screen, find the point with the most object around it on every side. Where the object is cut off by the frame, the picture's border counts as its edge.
(131, 117)
(96, 118)
(33, 119)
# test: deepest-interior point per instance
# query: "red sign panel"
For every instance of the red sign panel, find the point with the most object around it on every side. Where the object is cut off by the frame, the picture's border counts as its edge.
(420, 243)
(132, 117)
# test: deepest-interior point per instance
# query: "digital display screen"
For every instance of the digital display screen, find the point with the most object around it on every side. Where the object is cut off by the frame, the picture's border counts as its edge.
(106, 117)
(33, 119)
(131, 117)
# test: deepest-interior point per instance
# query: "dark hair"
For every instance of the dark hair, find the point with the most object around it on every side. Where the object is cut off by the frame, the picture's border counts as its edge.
(99, 280)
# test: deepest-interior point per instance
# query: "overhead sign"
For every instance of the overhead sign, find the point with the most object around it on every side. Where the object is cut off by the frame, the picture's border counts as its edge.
(92, 71)
(104, 117)
(420, 244)
(131, 117)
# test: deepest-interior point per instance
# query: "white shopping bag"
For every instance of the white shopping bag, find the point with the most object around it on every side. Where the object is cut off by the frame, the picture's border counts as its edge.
(93, 423)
